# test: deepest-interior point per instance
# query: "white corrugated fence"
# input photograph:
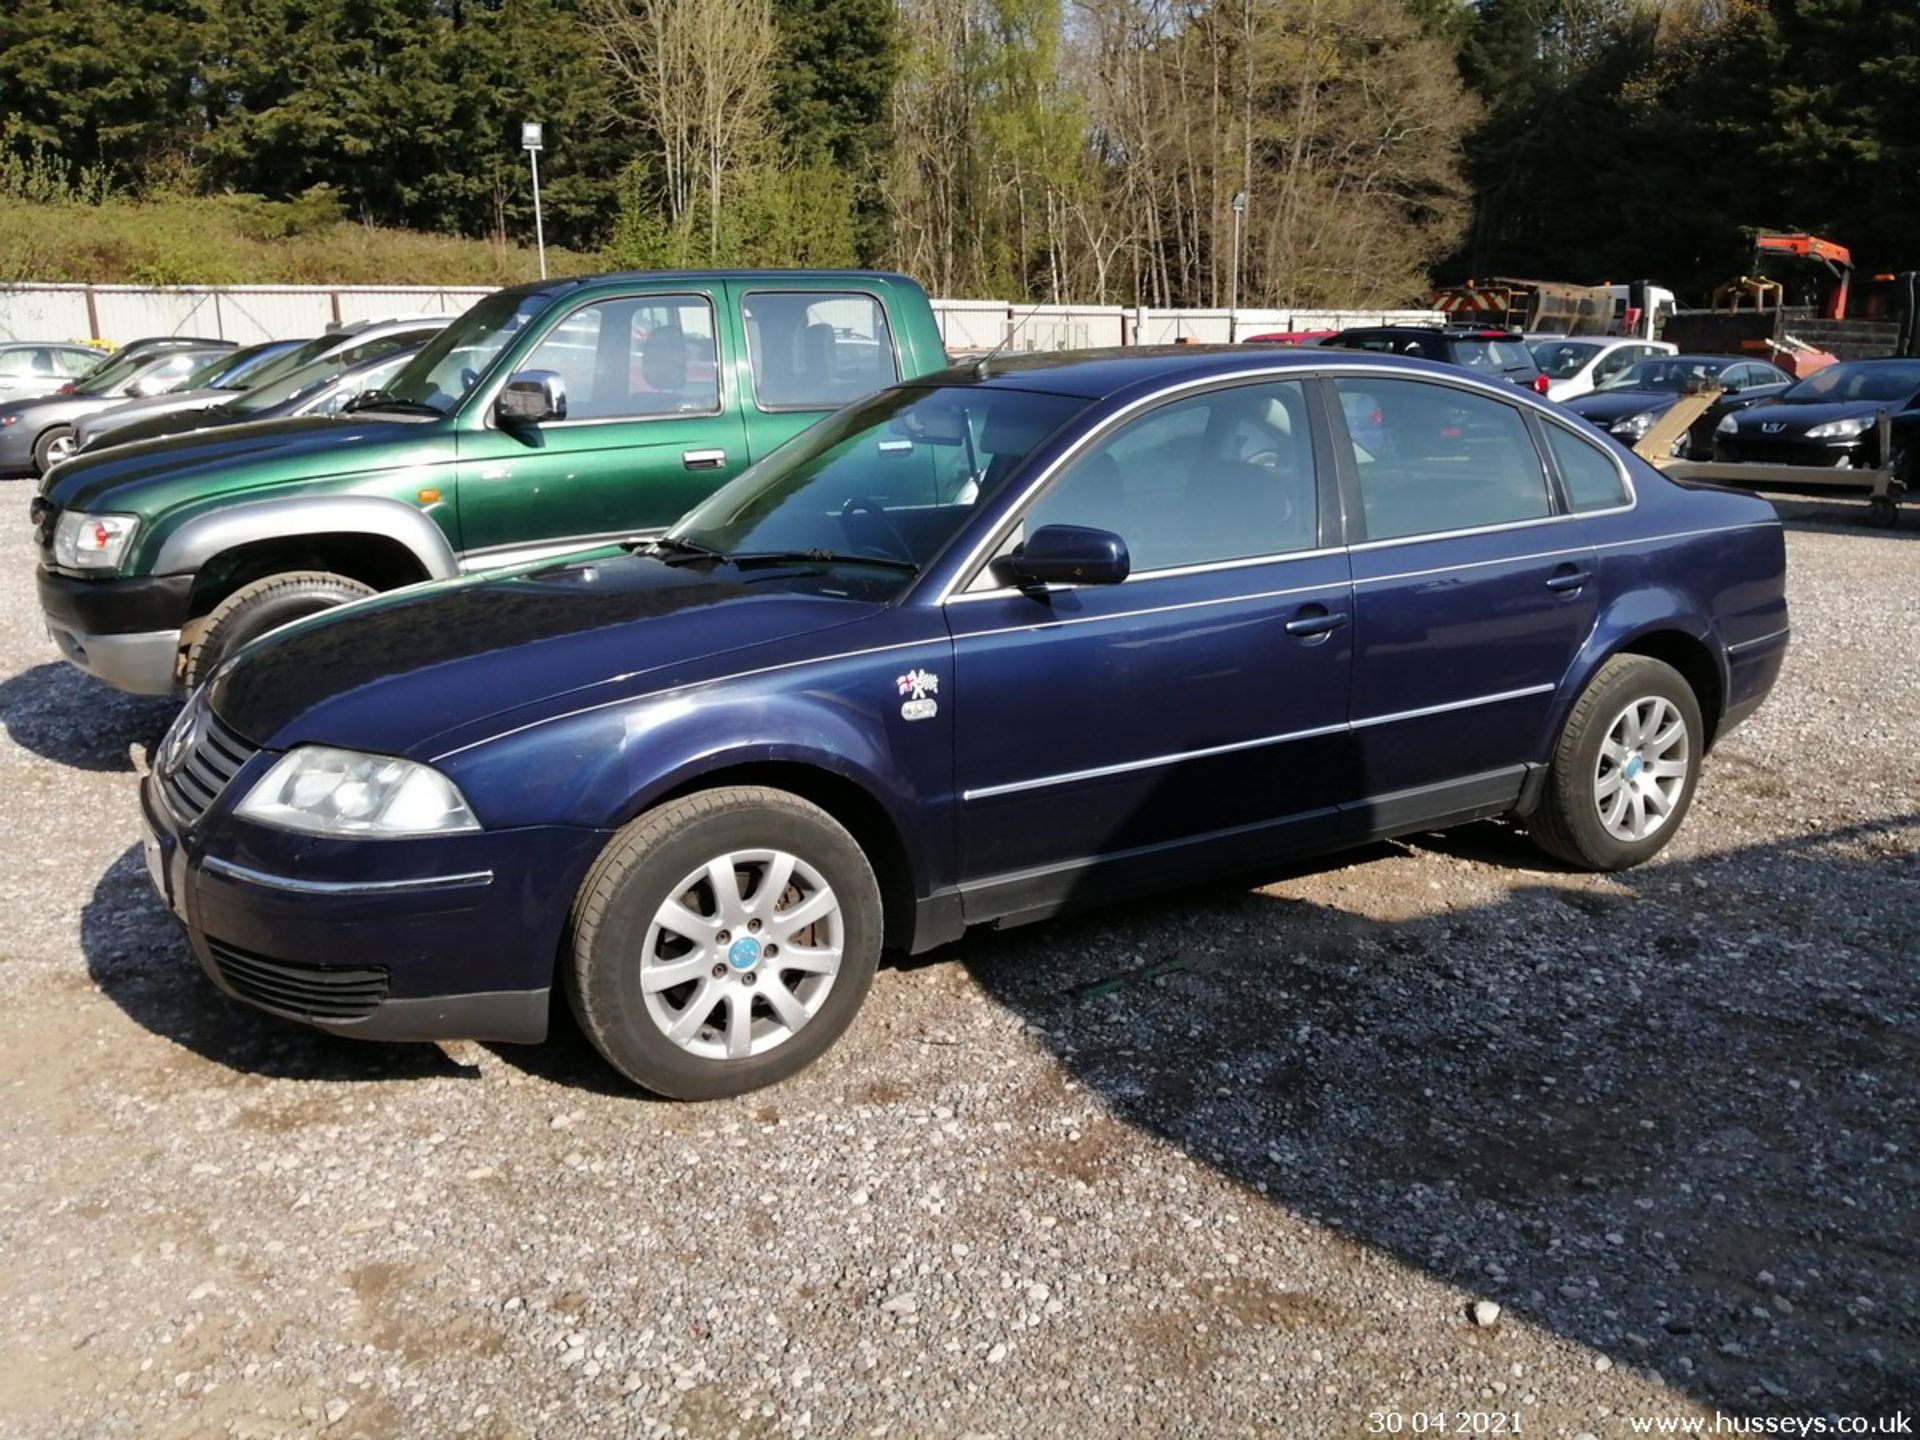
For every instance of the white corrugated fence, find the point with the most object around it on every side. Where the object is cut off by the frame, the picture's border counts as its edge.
(249, 313)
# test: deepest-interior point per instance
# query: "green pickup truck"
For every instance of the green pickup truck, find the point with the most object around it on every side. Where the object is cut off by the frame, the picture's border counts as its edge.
(547, 418)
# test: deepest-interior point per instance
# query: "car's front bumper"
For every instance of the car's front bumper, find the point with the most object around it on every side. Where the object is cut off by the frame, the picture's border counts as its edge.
(452, 938)
(125, 632)
(1742, 448)
(16, 447)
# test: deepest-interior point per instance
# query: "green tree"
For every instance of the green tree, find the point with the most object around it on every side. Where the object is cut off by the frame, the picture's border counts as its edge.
(103, 84)
(837, 65)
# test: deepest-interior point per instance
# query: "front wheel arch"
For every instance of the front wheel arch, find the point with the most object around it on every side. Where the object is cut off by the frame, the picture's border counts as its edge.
(374, 560)
(852, 806)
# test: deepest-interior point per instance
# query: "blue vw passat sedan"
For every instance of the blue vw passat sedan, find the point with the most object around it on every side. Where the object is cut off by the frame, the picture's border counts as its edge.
(1011, 639)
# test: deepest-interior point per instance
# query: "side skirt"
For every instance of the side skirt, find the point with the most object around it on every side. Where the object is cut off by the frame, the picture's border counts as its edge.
(1026, 896)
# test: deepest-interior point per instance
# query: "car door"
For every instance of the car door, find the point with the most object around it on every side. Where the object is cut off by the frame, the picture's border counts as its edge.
(807, 353)
(1471, 597)
(1190, 719)
(26, 370)
(652, 427)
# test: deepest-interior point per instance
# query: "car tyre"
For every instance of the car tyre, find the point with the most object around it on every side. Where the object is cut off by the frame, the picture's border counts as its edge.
(682, 983)
(1624, 771)
(253, 610)
(53, 445)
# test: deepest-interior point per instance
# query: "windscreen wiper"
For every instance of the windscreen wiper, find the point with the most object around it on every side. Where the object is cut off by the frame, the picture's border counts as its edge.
(683, 549)
(818, 556)
(387, 400)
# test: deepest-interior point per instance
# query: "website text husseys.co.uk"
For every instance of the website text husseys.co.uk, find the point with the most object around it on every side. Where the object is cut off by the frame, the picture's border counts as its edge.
(1898, 1423)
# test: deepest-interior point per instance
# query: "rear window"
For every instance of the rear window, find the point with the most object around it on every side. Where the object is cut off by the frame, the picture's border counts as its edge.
(1500, 357)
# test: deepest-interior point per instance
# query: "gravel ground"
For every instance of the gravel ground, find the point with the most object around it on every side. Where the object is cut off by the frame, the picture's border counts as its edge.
(1665, 1121)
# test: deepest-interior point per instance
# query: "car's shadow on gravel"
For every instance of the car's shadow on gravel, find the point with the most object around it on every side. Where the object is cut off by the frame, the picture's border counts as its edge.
(139, 958)
(69, 717)
(1670, 1115)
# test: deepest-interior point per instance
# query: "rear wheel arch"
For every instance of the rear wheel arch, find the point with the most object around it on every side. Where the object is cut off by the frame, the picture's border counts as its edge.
(852, 805)
(1697, 666)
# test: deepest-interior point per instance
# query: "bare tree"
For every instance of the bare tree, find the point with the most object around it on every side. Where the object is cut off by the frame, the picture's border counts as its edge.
(696, 76)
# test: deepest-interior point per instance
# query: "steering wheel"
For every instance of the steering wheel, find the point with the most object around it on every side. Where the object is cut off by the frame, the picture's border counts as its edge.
(872, 514)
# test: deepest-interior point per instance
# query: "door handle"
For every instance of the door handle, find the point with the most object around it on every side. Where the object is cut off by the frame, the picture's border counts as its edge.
(703, 459)
(1568, 578)
(1313, 621)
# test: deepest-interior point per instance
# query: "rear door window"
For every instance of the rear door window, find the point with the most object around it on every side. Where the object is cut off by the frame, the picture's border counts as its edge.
(1434, 458)
(816, 349)
(1592, 479)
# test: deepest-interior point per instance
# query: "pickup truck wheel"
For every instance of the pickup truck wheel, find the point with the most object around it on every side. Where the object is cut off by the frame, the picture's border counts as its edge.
(723, 942)
(1623, 775)
(253, 610)
(54, 445)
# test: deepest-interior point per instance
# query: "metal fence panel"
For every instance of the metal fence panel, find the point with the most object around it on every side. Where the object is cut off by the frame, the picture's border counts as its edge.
(248, 313)
(971, 324)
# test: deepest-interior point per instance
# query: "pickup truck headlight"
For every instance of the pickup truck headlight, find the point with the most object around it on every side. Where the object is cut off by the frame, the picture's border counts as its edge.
(1841, 429)
(1633, 427)
(1728, 424)
(319, 790)
(92, 542)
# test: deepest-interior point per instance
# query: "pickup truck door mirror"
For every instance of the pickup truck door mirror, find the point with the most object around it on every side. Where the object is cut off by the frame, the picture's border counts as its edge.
(1069, 555)
(531, 397)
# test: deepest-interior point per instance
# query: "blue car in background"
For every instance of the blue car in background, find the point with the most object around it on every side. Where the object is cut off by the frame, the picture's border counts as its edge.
(1019, 637)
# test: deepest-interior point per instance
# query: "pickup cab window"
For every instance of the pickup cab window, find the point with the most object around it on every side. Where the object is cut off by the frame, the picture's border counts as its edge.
(816, 350)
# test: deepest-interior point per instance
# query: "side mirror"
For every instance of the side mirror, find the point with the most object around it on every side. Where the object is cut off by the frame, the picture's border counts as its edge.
(531, 397)
(1069, 555)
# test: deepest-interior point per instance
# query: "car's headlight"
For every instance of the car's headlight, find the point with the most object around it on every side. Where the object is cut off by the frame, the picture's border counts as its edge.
(1634, 426)
(92, 542)
(1841, 429)
(323, 791)
(1728, 424)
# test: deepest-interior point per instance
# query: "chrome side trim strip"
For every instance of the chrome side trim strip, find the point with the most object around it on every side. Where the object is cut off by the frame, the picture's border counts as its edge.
(1759, 640)
(1469, 565)
(245, 873)
(1688, 534)
(1451, 705)
(1100, 772)
(1124, 767)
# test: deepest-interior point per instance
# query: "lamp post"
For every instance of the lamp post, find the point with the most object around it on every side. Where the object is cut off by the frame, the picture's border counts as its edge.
(1233, 288)
(531, 140)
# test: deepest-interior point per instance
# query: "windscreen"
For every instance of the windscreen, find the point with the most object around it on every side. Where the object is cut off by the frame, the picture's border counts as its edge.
(1889, 382)
(1500, 357)
(451, 363)
(1675, 374)
(1562, 359)
(892, 477)
(103, 380)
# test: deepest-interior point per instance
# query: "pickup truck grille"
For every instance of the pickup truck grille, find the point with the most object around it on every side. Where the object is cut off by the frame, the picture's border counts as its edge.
(199, 758)
(45, 515)
(305, 992)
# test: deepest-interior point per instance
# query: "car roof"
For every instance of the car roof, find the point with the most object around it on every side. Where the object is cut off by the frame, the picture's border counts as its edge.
(1097, 374)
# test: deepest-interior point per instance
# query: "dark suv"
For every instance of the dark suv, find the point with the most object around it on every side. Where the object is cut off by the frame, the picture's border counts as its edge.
(1498, 354)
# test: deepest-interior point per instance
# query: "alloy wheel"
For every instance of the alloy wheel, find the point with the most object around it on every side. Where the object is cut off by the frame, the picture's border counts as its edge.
(742, 954)
(1643, 768)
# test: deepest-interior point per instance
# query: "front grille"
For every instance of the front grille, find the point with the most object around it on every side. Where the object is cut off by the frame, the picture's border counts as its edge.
(305, 992)
(45, 515)
(197, 764)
